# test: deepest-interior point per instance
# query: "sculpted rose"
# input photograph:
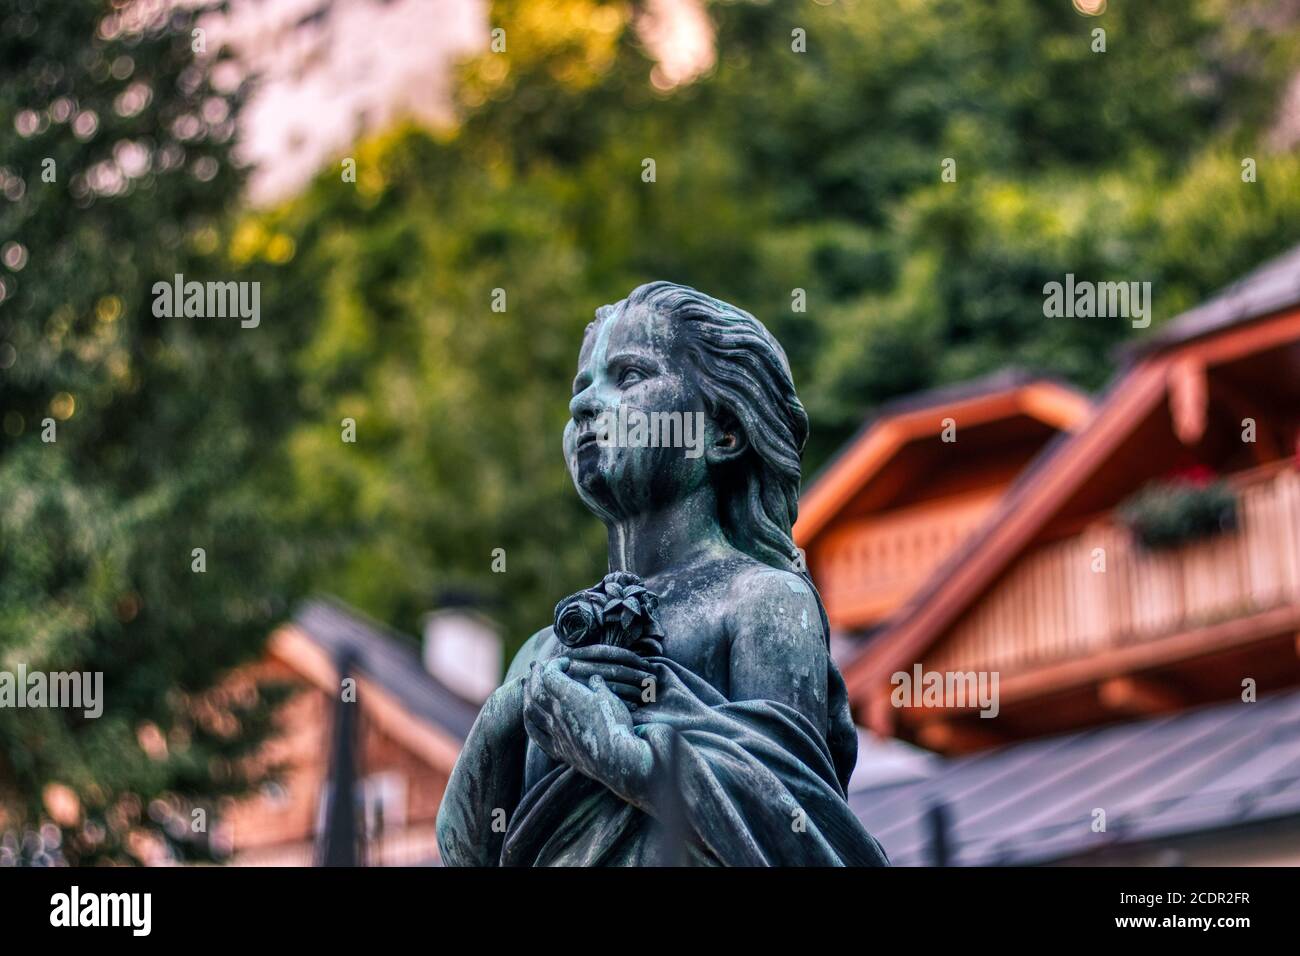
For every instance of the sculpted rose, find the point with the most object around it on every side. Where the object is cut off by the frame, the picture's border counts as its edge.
(619, 611)
(578, 620)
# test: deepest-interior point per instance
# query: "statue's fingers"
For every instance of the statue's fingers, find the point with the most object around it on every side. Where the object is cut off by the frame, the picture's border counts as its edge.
(609, 653)
(538, 733)
(612, 673)
(557, 684)
(555, 667)
(531, 680)
(627, 693)
(547, 677)
(532, 710)
(532, 691)
(602, 690)
(630, 696)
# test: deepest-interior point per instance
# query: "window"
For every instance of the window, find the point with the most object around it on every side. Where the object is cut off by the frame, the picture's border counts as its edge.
(383, 796)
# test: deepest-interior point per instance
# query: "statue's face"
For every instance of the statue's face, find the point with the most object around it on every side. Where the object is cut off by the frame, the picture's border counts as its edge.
(638, 430)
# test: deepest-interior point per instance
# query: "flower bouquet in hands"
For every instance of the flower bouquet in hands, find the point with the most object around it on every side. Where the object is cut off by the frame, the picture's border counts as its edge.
(620, 610)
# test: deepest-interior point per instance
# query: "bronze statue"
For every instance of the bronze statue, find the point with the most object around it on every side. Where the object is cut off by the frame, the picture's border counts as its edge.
(693, 684)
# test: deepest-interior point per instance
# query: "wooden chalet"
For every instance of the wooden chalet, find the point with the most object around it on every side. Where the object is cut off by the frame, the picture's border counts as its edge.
(374, 767)
(916, 481)
(1142, 679)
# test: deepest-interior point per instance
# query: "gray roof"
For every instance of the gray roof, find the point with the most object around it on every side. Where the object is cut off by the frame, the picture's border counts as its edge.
(387, 658)
(1204, 769)
(1273, 286)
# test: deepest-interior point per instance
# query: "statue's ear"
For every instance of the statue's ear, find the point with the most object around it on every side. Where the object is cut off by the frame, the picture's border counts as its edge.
(727, 440)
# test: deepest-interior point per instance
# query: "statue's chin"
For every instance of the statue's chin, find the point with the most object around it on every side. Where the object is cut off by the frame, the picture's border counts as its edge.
(596, 487)
(595, 494)
(618, 484)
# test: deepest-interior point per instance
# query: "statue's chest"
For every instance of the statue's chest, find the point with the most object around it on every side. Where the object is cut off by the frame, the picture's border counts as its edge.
(695, 637)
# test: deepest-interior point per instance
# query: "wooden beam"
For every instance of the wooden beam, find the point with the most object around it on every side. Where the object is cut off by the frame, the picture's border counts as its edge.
(1266, 447)
(1238, 341)
(1063, 409)
(1124, 661)
(1189, 400)
(1138, 696)
(956, 737)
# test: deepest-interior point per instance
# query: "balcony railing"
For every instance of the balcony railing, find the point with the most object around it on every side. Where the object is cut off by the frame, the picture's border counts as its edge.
(415, 845)
(870, 568)
(1056, 606)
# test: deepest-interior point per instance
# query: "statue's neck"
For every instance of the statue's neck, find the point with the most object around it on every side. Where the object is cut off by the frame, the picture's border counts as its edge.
(654, 541)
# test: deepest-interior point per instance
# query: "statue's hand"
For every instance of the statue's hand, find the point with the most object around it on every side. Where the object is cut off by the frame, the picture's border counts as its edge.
(587, 727)
(624, 671)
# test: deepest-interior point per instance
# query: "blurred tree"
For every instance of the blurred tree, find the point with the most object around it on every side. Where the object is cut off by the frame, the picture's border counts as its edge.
(779, 170)
(1066, 159)
(128, 440)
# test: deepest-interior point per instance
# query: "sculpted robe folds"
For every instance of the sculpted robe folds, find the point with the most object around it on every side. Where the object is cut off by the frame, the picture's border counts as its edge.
(759, 785)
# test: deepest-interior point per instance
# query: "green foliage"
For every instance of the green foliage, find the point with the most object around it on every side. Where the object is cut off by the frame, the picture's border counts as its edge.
(161, 429)
(776, 171)
(1169, 514)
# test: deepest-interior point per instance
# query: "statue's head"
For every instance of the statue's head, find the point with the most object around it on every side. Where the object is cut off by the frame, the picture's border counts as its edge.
(676, 389)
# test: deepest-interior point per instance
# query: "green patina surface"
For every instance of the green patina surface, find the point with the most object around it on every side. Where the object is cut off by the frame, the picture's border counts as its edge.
(729, 740)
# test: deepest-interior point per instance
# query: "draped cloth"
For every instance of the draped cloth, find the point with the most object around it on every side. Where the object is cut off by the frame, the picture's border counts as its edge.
(759, 786)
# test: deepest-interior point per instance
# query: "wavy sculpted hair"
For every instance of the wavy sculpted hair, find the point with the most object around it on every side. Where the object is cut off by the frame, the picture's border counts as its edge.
(745, 376)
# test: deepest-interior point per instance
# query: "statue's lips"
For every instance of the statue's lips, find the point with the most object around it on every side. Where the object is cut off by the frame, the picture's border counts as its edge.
(585, 440)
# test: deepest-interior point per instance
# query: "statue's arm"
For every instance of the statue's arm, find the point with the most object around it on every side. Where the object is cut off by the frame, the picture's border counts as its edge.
(537, 647)
(778, 648)
(487, 781)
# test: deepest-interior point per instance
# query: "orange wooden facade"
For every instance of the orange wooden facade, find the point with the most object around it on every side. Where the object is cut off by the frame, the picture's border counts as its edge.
(915, 484)
(403, 765)
(1083, 625)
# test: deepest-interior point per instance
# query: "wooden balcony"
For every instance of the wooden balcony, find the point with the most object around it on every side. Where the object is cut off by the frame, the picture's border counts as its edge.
(869, 567)
(1054, 608)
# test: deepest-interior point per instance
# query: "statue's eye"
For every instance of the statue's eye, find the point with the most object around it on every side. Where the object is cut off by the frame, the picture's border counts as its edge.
(630, 376)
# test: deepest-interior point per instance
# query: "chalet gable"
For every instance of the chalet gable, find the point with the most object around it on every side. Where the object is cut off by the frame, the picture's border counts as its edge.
(408, 703)
(917, 479)
(1152, 632)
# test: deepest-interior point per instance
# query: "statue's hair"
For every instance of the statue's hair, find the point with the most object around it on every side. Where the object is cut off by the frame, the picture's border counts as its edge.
(744, 375)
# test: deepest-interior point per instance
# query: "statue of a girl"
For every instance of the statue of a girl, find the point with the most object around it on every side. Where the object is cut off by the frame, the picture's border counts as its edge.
(710, 663)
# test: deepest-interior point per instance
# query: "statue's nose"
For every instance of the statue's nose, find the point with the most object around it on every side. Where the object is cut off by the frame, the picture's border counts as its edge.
(586, 405)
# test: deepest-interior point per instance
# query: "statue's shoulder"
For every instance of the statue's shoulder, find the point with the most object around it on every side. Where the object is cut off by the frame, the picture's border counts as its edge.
(755, 579)
(776, 603)
(540, 647)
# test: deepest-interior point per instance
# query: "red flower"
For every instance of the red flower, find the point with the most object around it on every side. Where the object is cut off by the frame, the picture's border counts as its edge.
(1197, 475)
